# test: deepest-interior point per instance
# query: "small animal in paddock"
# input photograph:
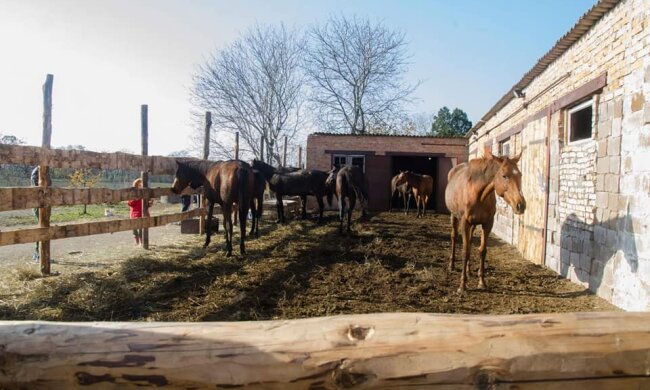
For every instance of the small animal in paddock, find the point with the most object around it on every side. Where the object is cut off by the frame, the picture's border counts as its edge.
(224, 182)
(403, 192)
(422, 187)
(301, 182)
(348, 182)
(471, 199)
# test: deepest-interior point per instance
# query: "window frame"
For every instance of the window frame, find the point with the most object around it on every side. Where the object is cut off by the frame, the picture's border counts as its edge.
(574, 109)
(505, 142)
(348, 159)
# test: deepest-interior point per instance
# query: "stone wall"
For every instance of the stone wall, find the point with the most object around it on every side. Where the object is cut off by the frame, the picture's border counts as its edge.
(599, 189)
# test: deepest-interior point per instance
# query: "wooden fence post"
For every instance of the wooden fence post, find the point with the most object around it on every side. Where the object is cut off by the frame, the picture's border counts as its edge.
(237, 145)
(206, 154)
(284, 155)
(44, 174)
(144, 126)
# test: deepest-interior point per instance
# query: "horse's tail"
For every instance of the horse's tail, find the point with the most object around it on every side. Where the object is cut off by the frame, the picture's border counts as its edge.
(362, 195)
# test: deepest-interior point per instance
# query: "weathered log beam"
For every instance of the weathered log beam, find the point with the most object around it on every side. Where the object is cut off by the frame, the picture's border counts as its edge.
(574, 350)
(11, 237)
(57, 158)
(20, 198)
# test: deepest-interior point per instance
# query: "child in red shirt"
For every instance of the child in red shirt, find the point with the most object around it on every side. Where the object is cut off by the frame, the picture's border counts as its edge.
(135, 206)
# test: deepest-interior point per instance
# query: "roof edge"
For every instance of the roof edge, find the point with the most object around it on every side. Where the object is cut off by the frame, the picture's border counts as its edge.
(582, 27)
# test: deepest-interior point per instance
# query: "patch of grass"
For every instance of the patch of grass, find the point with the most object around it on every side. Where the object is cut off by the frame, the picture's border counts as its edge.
(64, 214)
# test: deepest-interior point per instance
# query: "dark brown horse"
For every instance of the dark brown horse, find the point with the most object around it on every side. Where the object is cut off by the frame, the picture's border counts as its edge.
(422, 187)
(291, 182)
(348, 182)
(404, 192)
(470, 197)
(225, 183)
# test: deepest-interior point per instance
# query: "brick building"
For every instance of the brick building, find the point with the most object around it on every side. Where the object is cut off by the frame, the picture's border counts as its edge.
(383, 156)
(581, 116)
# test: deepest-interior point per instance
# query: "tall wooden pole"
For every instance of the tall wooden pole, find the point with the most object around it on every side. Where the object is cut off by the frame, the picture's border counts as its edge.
(144, 174)
(284, 155)
(237, 145)
(300, 157)
(43, 172)
(206, 155)
(262, 149)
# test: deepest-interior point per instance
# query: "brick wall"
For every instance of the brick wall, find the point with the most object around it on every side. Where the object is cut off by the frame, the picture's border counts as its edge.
(378, 150)
(599, 190)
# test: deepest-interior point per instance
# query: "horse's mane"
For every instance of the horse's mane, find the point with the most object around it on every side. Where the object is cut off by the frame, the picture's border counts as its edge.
(201, 166)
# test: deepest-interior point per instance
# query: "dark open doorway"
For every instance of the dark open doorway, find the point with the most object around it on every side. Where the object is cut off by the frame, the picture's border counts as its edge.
(423, 165)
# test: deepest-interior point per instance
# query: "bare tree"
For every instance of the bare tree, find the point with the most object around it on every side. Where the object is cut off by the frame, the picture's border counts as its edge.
(254, 86)
(355, 70)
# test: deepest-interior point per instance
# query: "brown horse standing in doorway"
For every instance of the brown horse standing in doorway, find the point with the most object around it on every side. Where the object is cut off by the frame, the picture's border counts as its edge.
(348, 182)
(226, 183)
(470, 197)
(422, 187)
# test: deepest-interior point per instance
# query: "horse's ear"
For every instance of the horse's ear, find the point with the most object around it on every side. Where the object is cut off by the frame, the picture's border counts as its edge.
(488, 153)
(517, 157)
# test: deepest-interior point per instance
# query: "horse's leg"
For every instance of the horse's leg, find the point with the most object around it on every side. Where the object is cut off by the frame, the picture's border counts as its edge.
(280, 207)
(425, 200)
(467, 241)
(487, 228)
(260, 211)
(353, 202)
(243, 211)
(303, 200)
(321, 207)
(454, 235)
(208, 224)
(407, 200)
(227, 226)
(471, 236)
(341, 212)
(254, 215)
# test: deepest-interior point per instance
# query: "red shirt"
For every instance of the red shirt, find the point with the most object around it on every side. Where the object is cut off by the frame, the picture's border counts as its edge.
(136, 208)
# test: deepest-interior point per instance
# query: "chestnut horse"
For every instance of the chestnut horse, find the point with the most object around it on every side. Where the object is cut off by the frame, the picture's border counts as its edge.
(403, 191)
(348, 182)
(422, 187)
(470, 197)
(224, 182)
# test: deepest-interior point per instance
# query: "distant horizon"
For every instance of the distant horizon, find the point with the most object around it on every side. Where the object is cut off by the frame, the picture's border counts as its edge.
(109, 58)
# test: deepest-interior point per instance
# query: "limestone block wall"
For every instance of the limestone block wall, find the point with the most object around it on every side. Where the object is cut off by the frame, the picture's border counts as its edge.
(598, 191)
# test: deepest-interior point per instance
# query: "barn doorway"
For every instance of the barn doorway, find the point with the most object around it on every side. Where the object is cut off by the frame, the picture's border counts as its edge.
(423, 165)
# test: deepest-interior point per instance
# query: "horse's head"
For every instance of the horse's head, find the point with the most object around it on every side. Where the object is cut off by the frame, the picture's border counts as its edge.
(181, 180)
(507, 183)
(401, 178)
(331, 177)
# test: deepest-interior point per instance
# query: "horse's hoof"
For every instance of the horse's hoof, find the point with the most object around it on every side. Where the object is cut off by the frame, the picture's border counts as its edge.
(482, 285)
(460, 291)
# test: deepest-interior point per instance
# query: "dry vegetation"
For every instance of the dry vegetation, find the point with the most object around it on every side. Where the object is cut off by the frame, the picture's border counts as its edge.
(392, 263)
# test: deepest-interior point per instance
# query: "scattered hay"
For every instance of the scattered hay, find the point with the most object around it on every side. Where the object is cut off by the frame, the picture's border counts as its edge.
(391, 263)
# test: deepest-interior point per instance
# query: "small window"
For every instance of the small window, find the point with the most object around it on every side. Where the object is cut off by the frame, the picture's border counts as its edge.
(339, 160)
(504, 147)
(580, 122)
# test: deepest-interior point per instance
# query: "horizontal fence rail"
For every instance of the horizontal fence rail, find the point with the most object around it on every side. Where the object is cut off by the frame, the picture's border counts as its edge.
(75, 159)
(57, 232)
(397, 350)
(20, 198)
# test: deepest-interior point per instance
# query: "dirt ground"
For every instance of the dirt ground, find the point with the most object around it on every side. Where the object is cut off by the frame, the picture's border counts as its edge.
(392, 263)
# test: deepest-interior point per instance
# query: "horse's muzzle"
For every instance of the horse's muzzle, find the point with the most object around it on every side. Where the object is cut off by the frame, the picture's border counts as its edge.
(520, 207)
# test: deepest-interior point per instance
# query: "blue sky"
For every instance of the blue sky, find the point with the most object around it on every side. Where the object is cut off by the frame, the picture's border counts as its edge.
(108, 57)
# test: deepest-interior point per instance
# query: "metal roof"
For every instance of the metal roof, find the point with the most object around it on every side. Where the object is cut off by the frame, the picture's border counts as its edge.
(584, 24)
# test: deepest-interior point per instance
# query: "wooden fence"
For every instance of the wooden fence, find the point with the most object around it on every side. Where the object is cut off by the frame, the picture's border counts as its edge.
(19, 198)
(397, 350)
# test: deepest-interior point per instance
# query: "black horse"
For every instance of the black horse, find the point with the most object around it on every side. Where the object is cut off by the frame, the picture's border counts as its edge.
(227, 183)
(349, 182)
(257, 202)
(301, 183)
